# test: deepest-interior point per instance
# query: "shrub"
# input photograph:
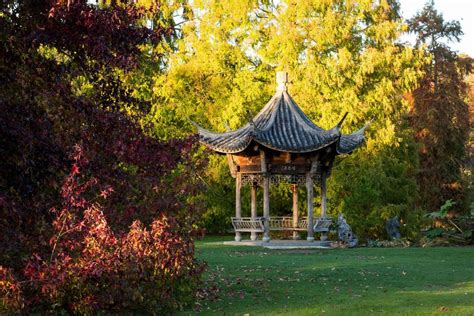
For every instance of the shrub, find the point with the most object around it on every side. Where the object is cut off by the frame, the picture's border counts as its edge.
(9, 291)
(65, 80)
(446, 224)
(91, 268)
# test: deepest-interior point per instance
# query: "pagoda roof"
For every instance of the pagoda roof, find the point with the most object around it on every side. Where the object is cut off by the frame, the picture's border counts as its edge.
(281, 125)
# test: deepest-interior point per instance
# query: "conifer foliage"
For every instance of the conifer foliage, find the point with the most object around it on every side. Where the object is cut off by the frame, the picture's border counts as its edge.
(439, 113)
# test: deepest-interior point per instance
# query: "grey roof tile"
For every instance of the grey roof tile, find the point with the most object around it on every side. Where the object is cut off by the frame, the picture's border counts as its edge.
(281, 125)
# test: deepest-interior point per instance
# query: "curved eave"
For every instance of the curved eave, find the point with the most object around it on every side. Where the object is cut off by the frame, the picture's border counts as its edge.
(282, 126)
(348, 143)
(315, 140)
(231, 143)
(295, 151)
(226, 143)
(236, 141)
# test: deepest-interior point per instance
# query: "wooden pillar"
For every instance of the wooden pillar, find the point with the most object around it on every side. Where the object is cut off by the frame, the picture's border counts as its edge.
(266, 197)
(253, 207)
(294, 188)
(238, 205)
(324, 235)
(310, 197)
(266, 207)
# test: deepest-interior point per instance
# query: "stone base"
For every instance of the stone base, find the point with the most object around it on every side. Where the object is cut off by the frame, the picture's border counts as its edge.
(238, 237)
(282, 244)
(265, 239)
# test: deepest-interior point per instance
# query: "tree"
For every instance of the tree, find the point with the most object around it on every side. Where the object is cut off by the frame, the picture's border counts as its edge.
(439, 113)
(341, 56)
(65, 69)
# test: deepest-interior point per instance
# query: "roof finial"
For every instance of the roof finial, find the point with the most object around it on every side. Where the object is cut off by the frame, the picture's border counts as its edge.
(282, 80)
(342, 120)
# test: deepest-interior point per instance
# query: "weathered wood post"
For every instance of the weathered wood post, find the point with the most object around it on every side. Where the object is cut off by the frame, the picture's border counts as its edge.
(253, 207)
(324, 235)
(266, 208)
(266, 197)
(310, 198)
(294, 188)
(238, 205)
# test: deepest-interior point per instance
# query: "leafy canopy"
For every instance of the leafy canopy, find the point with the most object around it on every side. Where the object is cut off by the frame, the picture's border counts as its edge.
(342, 56)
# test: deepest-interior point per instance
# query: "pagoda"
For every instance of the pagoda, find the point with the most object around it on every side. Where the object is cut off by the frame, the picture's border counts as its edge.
(281, 144)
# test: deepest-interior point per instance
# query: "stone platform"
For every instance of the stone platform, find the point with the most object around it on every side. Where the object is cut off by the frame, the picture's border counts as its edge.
(282, 244)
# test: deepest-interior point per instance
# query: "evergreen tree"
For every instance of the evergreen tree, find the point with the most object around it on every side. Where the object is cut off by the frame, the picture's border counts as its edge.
(439, 114)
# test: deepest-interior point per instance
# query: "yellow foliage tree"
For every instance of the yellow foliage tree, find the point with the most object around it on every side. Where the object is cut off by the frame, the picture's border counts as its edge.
(342, 56)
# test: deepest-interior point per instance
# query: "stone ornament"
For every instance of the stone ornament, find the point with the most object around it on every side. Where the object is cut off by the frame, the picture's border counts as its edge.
(392, 226)
(344, 232)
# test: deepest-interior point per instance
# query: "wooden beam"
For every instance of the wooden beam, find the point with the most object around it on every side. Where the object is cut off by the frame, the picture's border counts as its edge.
(238, 205)
(232, 165)
(294, 188)
(253, 207)
(263, 161)
(323, 200)
(266, 196)
(266, 207)
(310, 198)
(323, 194)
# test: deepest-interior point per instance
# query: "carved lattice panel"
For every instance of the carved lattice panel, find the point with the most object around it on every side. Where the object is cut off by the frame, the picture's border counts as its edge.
(252, 179)
(275, 179)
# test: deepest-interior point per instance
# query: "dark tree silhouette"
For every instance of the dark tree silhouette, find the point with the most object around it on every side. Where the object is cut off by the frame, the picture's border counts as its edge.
(61, 86)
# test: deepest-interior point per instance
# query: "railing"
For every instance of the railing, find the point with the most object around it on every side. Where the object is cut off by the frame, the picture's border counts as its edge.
(249, 224)
(286, 223)
(322, 224)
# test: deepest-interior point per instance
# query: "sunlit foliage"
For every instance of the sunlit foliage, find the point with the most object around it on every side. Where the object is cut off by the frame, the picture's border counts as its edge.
(341, 56)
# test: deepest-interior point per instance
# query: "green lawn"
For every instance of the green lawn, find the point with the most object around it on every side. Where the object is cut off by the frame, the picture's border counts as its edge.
(363, 281)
